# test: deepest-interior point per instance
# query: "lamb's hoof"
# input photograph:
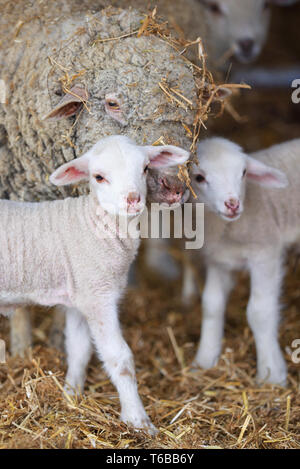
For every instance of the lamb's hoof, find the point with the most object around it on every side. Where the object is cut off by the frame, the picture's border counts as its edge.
(72, 391)
(204, 362)
(273, 371)
(18, 349)
(143, 424)
(278, 378)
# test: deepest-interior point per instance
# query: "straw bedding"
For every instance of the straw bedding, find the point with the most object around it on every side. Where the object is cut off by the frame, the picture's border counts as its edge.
(222, 407)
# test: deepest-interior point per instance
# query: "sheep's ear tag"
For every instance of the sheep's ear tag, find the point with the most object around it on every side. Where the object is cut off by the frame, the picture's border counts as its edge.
(69, 104)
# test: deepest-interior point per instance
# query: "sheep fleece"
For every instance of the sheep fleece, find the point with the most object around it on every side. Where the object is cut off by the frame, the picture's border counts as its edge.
(49, 46)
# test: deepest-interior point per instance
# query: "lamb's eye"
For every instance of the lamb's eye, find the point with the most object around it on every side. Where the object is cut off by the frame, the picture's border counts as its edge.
(99, 178)
(146, 168)
(244, 172)
(267, 5)
(215, 8)
(200, 178)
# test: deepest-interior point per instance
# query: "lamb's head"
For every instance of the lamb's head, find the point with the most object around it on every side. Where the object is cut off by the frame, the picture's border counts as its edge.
(164, 186)
(122, 85)
(220, 175)
(116, 169)
(237, 27)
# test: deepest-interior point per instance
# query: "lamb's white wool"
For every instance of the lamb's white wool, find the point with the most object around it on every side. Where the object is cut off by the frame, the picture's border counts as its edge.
(77, 263)
(247, 226)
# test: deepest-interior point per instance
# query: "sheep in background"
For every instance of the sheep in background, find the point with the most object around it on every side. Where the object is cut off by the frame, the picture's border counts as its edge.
(81, 257)
(235, 30)
(247, 227)
(229, 28)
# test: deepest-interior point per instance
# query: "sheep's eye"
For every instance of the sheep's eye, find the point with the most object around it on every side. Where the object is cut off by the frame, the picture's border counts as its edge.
(215, 8)
(200, 178)
(146, 168)
(244, 172)
(267, 5)
(99, 178)
(113, 105)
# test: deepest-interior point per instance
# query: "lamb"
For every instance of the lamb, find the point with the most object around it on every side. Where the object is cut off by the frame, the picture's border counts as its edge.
(163, 187)
(82, 253)
(251, 217)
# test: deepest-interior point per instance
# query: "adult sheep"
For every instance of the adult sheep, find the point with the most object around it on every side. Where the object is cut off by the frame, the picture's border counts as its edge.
(113, 85)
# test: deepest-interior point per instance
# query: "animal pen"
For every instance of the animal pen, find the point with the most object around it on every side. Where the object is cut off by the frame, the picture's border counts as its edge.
(222, 407)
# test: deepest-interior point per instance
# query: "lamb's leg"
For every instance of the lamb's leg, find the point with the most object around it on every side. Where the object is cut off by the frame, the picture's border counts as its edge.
(79, 349)
(263, 317)
(56, 337)
(218, 285)
(118, 363)
(159, 259)
(20, 331)
(189, 285)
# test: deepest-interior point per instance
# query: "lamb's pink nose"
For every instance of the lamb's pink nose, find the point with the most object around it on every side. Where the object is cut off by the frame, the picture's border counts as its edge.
(133, 198)
(232, 204)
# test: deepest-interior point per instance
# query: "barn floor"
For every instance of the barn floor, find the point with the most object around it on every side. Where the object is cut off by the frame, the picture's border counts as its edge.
(219, 408)
(222, 407)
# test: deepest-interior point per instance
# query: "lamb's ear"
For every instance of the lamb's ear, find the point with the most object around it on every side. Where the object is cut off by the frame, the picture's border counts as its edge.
(166, 155)
(69, 104)
(264, 175)
(72, 172)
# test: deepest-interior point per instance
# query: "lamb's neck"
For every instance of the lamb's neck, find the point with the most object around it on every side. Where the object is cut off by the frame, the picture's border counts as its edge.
(101, 221)
(214, 226)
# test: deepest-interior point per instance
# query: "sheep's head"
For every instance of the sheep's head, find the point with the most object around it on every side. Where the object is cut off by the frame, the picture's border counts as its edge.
(116, 169)
(164, 187)
(219, 178)
(238, 28)
(121, 85)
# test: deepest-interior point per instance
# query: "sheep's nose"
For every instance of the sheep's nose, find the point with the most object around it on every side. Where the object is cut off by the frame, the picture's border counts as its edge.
(246, 46)
(232, 204)
(133, 198)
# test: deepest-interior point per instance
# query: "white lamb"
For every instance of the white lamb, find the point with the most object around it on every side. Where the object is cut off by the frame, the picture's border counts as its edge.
(251, 218)
(69, 252)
